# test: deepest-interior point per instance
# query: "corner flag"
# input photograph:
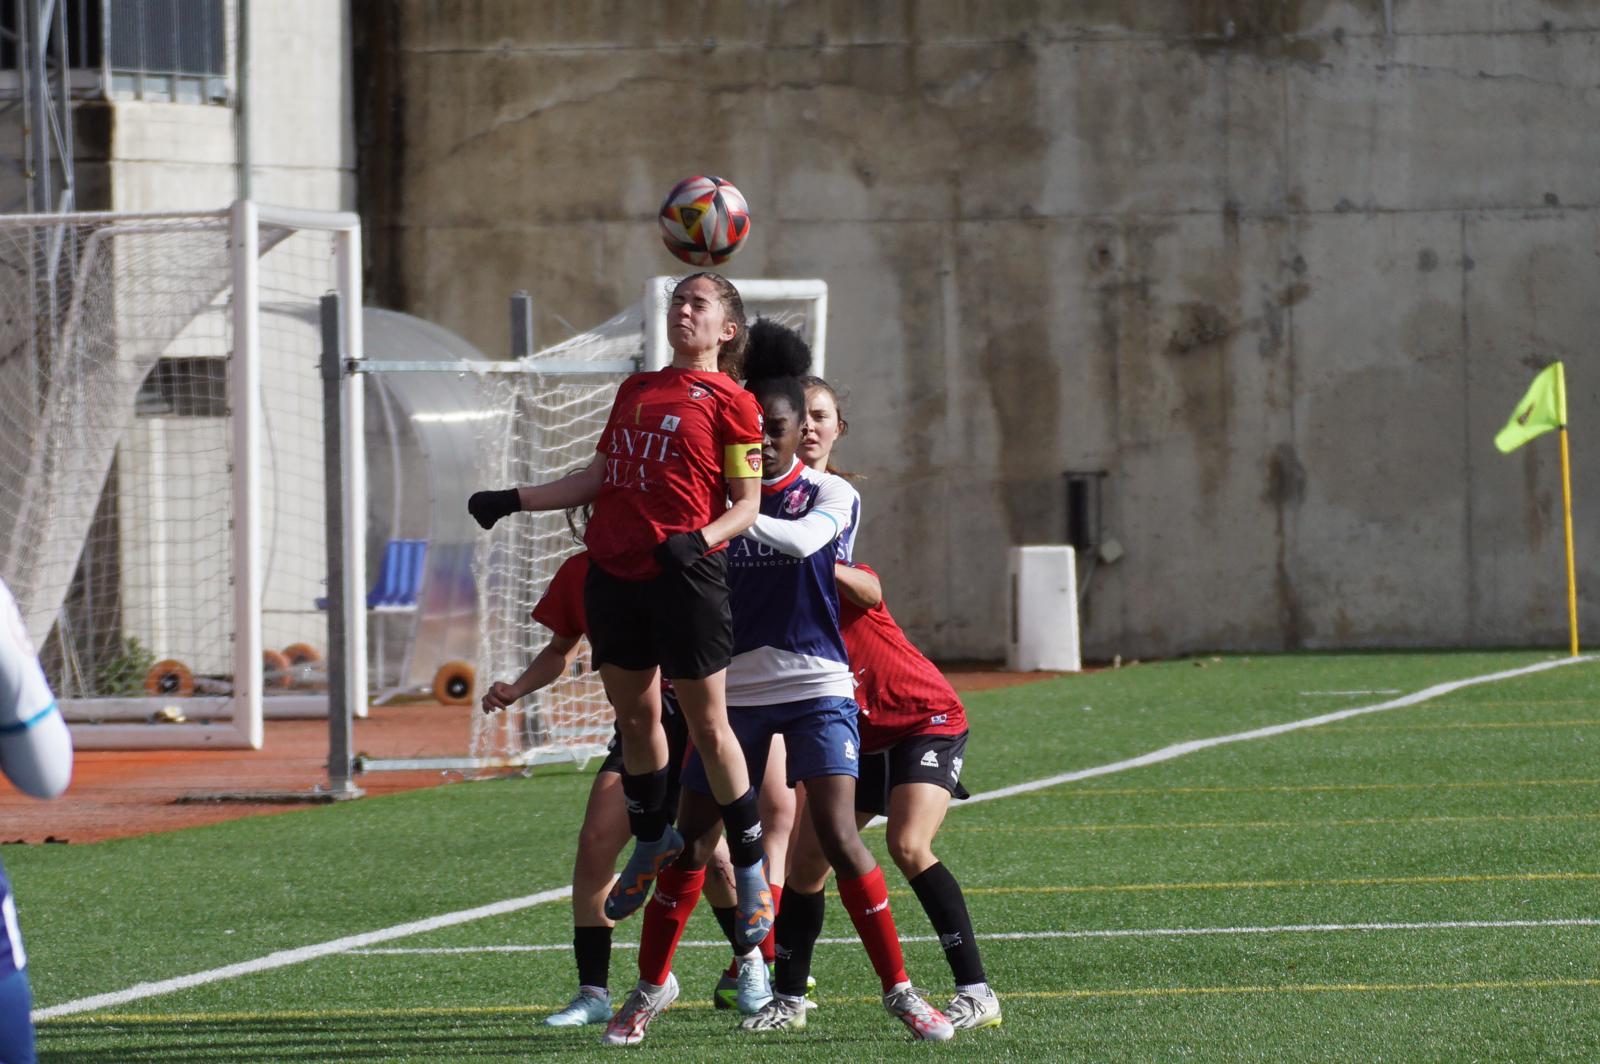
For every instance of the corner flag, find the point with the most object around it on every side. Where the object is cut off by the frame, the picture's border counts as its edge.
(1542, 409)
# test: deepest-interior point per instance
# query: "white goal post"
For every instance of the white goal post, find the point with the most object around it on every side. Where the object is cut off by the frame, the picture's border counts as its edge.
(161, 476)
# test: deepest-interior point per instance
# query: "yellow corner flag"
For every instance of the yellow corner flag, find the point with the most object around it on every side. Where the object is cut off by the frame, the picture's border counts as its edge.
(1542, 409)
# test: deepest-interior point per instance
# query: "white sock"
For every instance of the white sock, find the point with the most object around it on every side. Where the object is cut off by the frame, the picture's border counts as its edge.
(977, 990)
(595, 991)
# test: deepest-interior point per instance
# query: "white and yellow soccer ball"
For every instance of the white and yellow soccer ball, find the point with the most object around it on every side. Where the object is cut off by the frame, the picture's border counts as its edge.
(704, 220)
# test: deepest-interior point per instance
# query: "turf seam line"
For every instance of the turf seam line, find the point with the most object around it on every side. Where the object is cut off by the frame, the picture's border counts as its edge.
(284, 958)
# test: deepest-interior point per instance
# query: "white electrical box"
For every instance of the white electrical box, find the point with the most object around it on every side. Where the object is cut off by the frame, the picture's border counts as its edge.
(1042, 607)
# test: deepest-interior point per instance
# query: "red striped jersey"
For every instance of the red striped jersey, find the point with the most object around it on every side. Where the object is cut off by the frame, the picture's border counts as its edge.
(900, 692)
(672, 438)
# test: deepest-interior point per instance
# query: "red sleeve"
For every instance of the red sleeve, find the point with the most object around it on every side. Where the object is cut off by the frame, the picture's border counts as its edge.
(740, 435)
(561, 609)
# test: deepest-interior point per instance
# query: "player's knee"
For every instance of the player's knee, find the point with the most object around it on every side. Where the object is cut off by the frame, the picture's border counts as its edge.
(910, 852)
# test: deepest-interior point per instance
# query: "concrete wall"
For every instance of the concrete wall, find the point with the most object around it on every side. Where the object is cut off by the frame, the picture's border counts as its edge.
(1280, 269)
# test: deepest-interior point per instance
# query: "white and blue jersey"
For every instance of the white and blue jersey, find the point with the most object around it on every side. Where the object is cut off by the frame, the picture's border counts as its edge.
(786, 641)
(35, 750)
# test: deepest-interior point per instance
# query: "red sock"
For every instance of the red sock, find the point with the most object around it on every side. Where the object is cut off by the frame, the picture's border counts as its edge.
(867, 901)
(675, 897)
(770, 943)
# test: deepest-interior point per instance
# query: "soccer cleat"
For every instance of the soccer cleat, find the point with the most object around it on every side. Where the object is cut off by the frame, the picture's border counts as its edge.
(754, 902)
(926, 1023)
(644, 864)
(811, 989)
(645, 1002)
(968, 1012)
(755, 985)
(726, 995)
(588, 1007)
(782, 1013)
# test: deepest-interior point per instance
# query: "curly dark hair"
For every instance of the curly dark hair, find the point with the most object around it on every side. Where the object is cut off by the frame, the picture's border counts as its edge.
(777, 360)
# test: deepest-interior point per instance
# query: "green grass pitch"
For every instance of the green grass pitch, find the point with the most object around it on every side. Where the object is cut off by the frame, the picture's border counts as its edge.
(1416, 884)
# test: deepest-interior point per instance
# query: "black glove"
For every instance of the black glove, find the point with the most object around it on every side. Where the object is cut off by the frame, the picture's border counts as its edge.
(487, 507)
(680, 550)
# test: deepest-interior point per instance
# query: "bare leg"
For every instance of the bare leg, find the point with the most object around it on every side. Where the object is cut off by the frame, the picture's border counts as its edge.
(705, 709)
(637, 697)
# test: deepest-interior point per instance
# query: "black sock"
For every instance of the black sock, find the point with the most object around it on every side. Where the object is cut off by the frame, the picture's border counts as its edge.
(592, 945)
(942, 900)
(742, 819)
(646, 795)
(798, 924)
(727, 919)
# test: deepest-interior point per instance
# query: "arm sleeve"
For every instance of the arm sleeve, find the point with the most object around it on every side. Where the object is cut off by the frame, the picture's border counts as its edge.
(561, 608)
(35, 745)
(827, 520)
(741, 437)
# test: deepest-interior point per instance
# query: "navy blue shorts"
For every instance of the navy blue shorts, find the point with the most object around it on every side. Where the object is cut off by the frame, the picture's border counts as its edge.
(819, 734)
(16, 1029)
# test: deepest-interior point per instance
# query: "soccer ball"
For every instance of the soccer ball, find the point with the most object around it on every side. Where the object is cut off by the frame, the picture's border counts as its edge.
(704, 220)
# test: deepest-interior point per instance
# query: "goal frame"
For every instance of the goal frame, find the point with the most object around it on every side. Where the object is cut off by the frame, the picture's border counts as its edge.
(240, 725)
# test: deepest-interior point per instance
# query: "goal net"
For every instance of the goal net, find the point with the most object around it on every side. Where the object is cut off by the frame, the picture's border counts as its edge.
(161, 485)
(534, 425)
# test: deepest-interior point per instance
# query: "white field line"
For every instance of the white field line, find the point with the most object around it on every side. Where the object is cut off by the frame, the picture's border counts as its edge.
(1017, 936)
(283, 958)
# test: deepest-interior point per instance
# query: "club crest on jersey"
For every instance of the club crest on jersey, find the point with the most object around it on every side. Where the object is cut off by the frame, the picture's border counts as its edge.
(699, 391)
(669, 423)
(938, 718)
(794, 501)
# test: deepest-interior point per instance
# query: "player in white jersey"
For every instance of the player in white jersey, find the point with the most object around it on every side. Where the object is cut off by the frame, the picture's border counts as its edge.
(36, 756)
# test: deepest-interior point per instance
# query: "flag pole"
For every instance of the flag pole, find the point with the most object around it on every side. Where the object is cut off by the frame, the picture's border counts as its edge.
(1566, 506)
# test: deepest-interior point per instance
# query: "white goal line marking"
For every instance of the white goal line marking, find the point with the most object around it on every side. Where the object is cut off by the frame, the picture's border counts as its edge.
(284, 958)
(1018, 936)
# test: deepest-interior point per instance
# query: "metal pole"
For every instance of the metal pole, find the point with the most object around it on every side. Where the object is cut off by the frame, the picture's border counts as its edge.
(244, 400)
(521, 325)
(340, 765)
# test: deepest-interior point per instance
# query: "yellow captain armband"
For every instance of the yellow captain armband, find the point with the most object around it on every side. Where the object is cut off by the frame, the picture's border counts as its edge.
(740, 461)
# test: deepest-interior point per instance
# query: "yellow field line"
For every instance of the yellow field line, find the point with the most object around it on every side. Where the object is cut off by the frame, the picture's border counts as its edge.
(1219, 825)
(1315, 788)
(1271, 884)
(446, 1012)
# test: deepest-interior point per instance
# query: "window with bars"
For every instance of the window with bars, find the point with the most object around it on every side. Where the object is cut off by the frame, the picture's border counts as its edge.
(142, 49)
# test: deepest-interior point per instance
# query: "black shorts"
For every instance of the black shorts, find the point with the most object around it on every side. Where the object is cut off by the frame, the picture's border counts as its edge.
(677, 730)
(679, 621)
(932, 759)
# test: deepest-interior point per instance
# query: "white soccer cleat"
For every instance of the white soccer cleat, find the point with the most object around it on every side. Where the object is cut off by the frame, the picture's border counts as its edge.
(968, 1012)
(645, 1002)
(926, 1023)
(781, 1013)
(755, 986)
(588, 1007)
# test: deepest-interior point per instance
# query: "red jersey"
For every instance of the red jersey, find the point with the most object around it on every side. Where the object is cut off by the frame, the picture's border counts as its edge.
(900, 692)
(672, 438)
(561, 608)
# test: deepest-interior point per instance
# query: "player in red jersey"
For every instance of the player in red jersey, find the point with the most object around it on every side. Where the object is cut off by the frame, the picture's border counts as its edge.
(676, 474)
(913, 743)
(605, 821)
